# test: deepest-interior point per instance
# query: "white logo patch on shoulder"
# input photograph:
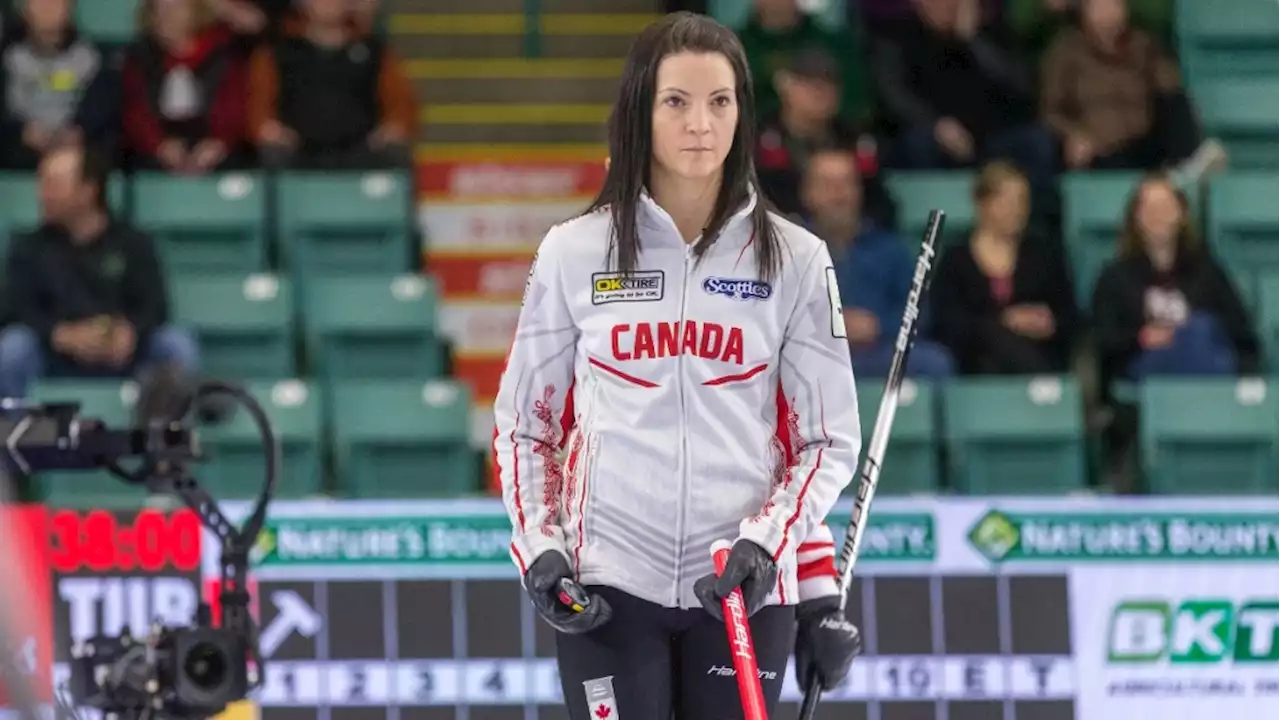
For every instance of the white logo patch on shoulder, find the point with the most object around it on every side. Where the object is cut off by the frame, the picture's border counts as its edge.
(837, 308)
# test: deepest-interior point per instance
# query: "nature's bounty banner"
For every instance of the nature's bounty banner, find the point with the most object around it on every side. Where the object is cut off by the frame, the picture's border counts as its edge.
(1094, 609)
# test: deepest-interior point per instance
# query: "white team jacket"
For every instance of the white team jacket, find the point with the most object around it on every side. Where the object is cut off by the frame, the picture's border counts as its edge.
(665, 390)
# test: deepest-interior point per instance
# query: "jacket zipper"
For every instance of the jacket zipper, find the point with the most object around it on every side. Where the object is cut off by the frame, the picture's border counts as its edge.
(683, 463)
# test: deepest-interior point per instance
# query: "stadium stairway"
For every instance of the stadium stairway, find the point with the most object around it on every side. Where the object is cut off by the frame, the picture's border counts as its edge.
(506, 79)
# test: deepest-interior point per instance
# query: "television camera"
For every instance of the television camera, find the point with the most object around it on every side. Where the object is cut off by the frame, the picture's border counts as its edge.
(182, 673)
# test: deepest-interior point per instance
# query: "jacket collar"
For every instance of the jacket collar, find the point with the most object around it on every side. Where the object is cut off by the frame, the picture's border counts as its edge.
(653, 217)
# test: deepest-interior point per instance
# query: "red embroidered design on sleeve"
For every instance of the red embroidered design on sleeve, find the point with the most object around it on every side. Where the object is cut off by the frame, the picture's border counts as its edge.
(573, 465)
(547, 448)
(793, 434)
(786, 458)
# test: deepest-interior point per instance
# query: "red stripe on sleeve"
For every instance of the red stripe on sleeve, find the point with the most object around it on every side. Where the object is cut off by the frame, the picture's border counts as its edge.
(825, 567)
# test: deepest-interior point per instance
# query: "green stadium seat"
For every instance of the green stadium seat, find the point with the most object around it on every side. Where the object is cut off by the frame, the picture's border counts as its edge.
(1267, 319)
(1243, 114)
(110, 22)
(345, 223)
(20, 200)
(204, 224)
(1015, 435)
(403, 438)
(911, 460)
(1227, 38)
(244, 324)
(236, 463)
(379, 327)
(1242, 221)
(1094, 205)
(919, 192)
(110, 401)
(1209, 436)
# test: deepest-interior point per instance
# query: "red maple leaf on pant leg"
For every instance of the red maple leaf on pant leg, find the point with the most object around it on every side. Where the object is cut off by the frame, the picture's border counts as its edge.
(603, 711)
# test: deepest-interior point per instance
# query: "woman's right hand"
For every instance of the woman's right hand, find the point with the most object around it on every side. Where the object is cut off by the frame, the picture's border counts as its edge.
(1079, 151)
(560, 600)
(172, 154)
(1033, 320)
(274, 132)
(954, 138)
(244, 18)
(1155, 336)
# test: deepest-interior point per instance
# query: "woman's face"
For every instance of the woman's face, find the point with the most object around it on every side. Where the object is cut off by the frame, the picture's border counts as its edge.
(175, 18)
(695, 114)
(1158, 215)
(48, 16)
(1005, 211)
(328, 12)
(1104, 18)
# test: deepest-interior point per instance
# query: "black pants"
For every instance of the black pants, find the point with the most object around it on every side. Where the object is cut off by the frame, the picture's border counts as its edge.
(657, 663)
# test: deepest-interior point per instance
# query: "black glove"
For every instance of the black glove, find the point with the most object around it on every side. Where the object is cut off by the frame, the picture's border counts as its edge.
(562, 602)
(749, 567)
(826, 643)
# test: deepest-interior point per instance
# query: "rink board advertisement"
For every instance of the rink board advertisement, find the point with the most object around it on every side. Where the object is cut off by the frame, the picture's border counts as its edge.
(1126, 609)
(971, 609)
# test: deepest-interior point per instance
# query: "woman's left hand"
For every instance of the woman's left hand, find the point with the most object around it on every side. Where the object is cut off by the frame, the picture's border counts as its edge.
(749, 567)
(207, 155)
(826, 642)
(243, 17)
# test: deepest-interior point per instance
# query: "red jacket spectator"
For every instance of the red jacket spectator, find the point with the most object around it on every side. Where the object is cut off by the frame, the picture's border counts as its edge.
(185, 91)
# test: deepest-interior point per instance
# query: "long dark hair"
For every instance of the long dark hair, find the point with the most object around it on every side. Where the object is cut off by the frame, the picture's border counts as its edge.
(631, 143)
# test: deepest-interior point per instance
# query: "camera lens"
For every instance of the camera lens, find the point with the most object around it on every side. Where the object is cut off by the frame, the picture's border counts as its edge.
(206, 666)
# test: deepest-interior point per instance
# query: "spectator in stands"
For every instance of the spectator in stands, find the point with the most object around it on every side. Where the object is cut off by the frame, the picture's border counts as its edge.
(1115, 99)
(86, 291)
(184, 91)
(777, 30)
(959, 98)
(57, 88)
(331, 95)
(807, 119)
(1003, 302)
(874, 268)
(1165, 306)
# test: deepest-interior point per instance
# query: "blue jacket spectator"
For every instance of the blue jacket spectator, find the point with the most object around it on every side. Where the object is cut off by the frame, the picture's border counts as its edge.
(1165, 307)
(873, 267)
(56, 86)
